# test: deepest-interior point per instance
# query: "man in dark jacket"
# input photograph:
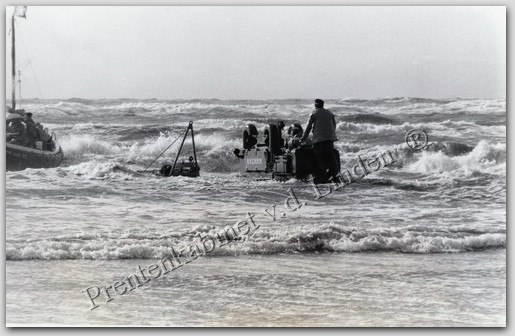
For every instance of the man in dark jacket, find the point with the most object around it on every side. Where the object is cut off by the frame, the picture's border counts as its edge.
(323, 124)
(32, 134)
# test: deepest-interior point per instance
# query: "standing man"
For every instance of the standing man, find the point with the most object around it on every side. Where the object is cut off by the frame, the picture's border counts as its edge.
(324, 135)
(32, 134)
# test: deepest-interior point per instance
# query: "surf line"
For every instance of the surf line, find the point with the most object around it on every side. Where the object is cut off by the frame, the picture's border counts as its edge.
(339, 181)
(239, 231)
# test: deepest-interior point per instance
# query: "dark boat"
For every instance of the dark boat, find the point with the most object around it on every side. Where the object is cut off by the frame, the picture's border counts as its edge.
(28, 144)
(21, 155)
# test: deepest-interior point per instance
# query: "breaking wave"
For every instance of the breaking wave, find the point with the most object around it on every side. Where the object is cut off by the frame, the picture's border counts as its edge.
(213, 149)
(327, 238)
(444, 128)
(482, 159)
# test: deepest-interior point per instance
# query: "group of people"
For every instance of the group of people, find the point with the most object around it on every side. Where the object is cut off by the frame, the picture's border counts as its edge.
(25, 132)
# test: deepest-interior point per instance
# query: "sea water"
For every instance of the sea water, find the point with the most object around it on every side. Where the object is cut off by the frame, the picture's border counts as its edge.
(419, 242)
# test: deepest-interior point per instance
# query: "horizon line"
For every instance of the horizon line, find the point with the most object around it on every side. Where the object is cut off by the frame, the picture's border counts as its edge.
(291, 98)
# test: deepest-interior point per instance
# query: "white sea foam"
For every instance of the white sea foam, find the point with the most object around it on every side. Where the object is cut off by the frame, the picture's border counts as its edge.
(444, 128)
(484, 158)
(321, 238)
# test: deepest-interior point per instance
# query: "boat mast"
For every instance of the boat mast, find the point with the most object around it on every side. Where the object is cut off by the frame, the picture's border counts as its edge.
(13, 57)
(19, 89)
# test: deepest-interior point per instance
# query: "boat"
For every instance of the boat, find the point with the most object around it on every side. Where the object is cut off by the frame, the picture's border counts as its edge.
(28, 143)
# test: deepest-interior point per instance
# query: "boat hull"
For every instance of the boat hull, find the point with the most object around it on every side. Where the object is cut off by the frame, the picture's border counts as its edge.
(21, 157)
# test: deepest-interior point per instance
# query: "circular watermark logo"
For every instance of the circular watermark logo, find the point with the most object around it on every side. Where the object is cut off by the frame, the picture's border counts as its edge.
(416, 139)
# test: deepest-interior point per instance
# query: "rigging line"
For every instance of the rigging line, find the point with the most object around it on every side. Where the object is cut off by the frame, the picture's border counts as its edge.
(31, 67)
(10, 27)
(164, 150)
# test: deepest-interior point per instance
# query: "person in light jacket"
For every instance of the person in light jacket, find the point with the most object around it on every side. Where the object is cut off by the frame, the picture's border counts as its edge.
(323, 124)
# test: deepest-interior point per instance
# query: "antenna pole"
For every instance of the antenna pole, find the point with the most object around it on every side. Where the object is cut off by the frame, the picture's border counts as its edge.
(19, 89)
(13, 57)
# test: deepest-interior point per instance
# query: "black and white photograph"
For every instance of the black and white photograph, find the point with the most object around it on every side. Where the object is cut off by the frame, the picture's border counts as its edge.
(255, 166)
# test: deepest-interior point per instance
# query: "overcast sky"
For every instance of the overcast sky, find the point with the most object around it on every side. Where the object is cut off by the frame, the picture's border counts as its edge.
(260, 52)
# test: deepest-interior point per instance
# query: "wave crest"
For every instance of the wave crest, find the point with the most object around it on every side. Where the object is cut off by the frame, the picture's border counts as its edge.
(485, 157)
(317, 238)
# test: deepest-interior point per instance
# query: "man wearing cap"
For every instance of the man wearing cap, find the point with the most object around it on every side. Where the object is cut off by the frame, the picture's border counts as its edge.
(323, 124)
